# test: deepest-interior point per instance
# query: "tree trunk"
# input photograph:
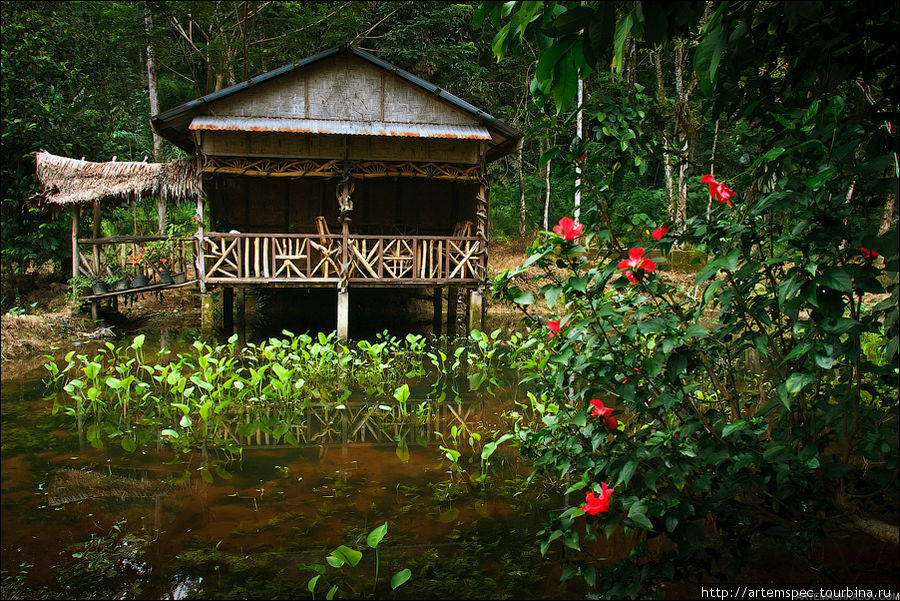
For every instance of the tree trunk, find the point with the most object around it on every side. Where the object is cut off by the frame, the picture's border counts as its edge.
(521, 179)
(546, 191)
(580, 133)
(890, 207)
(667, 159)
(712, 167)
(154, 109)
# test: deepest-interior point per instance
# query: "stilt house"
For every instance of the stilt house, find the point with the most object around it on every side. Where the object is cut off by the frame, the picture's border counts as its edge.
(341, 171)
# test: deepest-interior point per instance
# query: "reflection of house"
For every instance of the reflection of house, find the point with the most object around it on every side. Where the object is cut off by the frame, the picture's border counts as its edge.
(342, 171)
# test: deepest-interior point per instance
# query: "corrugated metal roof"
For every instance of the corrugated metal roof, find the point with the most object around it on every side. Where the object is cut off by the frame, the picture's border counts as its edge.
(353, 128)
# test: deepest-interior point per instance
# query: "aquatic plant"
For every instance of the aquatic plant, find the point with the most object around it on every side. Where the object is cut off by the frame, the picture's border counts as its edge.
(217, 394)
(344, 555)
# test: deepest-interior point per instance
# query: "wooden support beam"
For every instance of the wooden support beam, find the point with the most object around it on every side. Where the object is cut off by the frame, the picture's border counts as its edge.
(476, 311)
(452, 299)
(240, 315)
(343, 313)
(76, 263)
(227, 312)
(95, 226)
(438, 303)
(207, 313)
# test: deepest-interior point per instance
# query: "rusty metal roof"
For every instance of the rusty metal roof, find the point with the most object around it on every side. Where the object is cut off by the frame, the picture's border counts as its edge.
(328, 126)
(173, 124)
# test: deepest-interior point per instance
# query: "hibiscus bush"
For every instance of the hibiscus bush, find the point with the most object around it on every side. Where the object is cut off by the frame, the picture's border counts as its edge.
(701, 420)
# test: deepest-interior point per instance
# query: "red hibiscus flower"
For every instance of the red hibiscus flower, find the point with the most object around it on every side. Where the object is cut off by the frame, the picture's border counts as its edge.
(582, 158)
(869, 254)
(718, 190)
(567, 229)
(553, 326)
(594, 504)
(605, 413)
(659, 232)
(636, 260)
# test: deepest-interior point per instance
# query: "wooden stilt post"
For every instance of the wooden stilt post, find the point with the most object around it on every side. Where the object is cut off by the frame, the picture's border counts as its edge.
(478, 307)
(227, 312)
(200, 263)
(240, 315)
(438, 302)
(467, 321)
(95, 231)
(452, 299)
(343, 313)
(76, 259)
(476, 313)
(207, 313)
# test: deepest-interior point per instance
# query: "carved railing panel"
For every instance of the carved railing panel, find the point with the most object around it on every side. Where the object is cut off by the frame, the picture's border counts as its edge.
(260, 258)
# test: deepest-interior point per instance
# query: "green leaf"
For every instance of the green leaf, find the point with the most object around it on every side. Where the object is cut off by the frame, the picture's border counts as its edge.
(816, 181)
(348, 555)
(400, 577)
(696, 331)
(376, 535)
(311, 585)
(565, 84)
(796, 382)
(551, 294)
(623, 28)
(836, 279)
(735, 427)
(525, 298)
(627, 472)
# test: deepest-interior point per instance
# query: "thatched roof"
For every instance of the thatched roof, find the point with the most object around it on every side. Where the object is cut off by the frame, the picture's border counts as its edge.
(66, 181)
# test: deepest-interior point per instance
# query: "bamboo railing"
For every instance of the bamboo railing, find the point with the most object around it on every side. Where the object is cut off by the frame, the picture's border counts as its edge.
(296, 258)
(120, 250)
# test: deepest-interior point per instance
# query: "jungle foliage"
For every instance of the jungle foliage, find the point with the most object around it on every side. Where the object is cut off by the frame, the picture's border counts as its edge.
(753, 404)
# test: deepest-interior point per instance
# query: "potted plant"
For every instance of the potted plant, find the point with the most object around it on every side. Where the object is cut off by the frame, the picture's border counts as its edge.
(118, 278)
(159, 256)
(139, 280)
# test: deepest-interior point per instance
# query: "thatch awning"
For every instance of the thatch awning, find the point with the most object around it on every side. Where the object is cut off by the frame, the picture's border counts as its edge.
(66, 181)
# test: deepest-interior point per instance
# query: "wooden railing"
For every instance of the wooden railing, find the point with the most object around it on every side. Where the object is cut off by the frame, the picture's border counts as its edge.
(320, 258)
(96, 256)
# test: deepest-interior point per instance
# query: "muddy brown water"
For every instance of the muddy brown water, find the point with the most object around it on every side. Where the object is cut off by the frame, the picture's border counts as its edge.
(83, 522)
(79, 522)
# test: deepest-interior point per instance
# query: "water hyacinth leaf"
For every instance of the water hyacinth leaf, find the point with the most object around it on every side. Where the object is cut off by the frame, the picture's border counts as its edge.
(331, 592)
(402, 450)
(311, 585)
(400, 577)
(169, 432)
(376, 535)
(348, 555)
(138, 341)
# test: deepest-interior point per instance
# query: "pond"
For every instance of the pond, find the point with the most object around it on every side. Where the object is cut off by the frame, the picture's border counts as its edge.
(83, 522)
(255, 518)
